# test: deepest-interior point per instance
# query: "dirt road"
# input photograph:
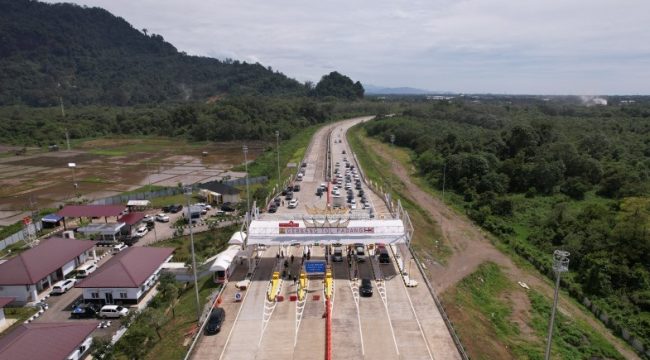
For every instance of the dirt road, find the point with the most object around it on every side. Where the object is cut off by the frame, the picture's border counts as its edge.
(470, 248)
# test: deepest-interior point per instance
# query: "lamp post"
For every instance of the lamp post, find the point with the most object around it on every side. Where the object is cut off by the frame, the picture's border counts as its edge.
(188, 194)
(560, 265)
(248, 194)
(74, 180)
(277, 144)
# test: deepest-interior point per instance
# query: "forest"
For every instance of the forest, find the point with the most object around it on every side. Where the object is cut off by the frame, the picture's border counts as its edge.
(545, 175)
(87, 56)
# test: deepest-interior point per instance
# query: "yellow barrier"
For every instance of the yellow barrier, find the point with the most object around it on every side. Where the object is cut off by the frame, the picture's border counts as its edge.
(273, 289)
(329, 284)
(302, 287)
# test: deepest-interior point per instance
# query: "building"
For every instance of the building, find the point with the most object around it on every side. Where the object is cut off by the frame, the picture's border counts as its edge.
(52, 341)
(216, 193)
(91, 211)
(3, 302)
(31, 272)
(125, 278)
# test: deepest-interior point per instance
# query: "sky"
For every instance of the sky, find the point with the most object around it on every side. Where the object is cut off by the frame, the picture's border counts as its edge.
(596, 47)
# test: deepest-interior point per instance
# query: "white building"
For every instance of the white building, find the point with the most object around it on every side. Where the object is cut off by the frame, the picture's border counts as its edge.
(32, 272)
(125, 278)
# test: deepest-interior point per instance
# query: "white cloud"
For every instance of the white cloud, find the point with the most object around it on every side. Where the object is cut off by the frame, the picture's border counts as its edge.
(529, 46)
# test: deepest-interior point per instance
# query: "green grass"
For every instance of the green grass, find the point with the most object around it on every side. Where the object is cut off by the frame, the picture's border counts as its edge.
(484, 321)
(109, 152)
(171, 344)
(427, 239)
(19, 313)
(145, 188)
(572, 339)
(168, 200)
(96, 180)
(206, 244)
(291, 150)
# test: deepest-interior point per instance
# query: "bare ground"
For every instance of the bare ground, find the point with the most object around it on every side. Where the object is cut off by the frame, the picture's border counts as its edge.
(471, 247)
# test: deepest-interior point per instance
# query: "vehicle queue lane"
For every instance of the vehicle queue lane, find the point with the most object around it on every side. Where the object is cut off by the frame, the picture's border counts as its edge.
(347, 339)
(243, 341)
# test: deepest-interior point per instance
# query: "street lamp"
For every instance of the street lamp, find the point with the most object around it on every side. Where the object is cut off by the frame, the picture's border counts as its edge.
(248, 194)
(188, 194)
(74, 181)
(277, 144)
(560, 265)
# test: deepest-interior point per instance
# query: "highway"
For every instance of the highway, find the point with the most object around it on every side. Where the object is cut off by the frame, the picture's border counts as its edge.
(396, 322)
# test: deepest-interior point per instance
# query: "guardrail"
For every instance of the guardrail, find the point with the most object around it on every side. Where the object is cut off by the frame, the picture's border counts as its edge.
(203, 319)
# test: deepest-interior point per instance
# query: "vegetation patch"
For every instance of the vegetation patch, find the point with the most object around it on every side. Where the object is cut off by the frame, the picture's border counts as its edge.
(496, 319)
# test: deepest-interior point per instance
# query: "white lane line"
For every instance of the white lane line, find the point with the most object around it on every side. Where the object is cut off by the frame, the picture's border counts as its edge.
(225, 346)
(390, 322)
(355, 296)
(416, 318)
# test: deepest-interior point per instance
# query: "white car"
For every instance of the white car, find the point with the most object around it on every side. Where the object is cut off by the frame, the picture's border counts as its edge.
(353, 206)
(62, 286)
(148, 218)
(142, 231)
(119, 247)
(162, 217)
(208, 207)
(293, 203)
(113, 311)
(336, 192)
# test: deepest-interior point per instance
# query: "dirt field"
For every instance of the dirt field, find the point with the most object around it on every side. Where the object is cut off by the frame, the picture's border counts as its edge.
(107, 167)
(471, 247)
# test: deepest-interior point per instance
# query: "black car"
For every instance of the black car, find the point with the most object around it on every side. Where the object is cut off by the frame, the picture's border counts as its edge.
(384, 258)
(83, 311)
(284, 192)
(213, 326)
(167, 208)
(319, 192)
(175, 208)
(277, 201)
(289, 195)
(227, 207)
(366, 287)
(296, 188)
(273, 208)
(337, 255)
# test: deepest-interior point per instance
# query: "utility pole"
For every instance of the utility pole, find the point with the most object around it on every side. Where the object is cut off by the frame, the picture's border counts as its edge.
(67, 135)
(444, 179)
(560, 265)
(188, 194)
(248, 194)
(277, 144)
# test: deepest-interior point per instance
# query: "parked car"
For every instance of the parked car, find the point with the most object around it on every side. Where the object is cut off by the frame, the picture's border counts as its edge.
(85, 270)
(366, 287)
(119, 247)
(167, 208)
(293, 203)
(278, 200)
(273, 208)
(289, 195)
(227, 207)
(83, 311)
(148, 218)
(141, 231)
(175, 208)
(296, 188)
(215, 320)
(162, 217)
(63, 286)
(113, 311)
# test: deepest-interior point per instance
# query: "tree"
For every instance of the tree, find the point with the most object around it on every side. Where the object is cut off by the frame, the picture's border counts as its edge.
(102, 348)
(155, 318)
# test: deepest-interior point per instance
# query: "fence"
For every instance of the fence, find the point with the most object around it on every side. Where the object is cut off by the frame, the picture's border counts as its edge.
(242, 181)
(19, 236)
(146, 195)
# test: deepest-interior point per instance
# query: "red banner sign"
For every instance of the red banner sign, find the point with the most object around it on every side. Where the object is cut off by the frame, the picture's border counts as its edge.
(290, 224)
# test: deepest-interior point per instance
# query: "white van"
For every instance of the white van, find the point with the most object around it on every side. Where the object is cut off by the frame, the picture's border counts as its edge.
(85, 270)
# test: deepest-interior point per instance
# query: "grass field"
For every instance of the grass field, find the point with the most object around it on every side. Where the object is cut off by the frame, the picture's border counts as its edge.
(497, 319)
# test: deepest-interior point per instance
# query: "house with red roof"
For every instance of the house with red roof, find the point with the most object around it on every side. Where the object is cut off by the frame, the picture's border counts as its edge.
(52, 341)
(32, 272)
(127, 277)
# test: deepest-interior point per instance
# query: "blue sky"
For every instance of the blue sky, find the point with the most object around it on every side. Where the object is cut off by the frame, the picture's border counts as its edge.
(497, 46)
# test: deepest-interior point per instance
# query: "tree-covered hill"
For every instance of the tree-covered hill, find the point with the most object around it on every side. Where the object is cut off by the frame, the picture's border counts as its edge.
(89, 56)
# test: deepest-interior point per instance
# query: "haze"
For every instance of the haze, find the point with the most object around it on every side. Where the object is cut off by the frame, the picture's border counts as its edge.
(496, 46)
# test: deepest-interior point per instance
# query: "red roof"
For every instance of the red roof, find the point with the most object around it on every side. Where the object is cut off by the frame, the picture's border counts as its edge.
(6, 300)
(128, 269)
(91, 210)
(132, 218)
(54, 341)
(31, 266)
